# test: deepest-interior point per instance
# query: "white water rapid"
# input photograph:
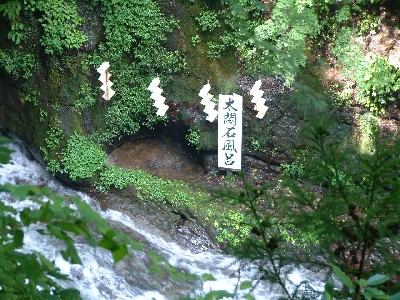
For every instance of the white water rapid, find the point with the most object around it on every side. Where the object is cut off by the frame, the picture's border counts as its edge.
(97, 278)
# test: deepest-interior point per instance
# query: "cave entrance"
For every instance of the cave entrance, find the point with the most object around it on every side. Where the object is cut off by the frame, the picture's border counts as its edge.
(164, 153)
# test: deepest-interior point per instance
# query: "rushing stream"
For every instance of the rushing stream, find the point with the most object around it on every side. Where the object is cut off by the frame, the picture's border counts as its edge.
(98, 278)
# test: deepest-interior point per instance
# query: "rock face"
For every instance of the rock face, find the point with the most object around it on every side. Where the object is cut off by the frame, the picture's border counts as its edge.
(20, 117)
(191, 235)
(165, 221)
(53, 99)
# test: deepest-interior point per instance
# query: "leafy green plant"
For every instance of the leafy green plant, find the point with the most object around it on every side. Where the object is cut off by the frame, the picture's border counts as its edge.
(295, 169)
(53, 143)
(208, 20)
(380, 86)
(54, 135)
(291, 24)
(362, 287)
(377, 82)
(195, 40)
(82, 157)
(18, 65)
(11, 9)
(86, 98)
(60, 21)
(344, 211)
(33, 97)
(149, 187)
(256, 145)
(215, 50)
(255, 233)
(193, 138)
(355, 215)
(135, 37)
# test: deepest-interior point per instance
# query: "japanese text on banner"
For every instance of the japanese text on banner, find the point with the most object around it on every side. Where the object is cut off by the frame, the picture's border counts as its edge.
(230, 132)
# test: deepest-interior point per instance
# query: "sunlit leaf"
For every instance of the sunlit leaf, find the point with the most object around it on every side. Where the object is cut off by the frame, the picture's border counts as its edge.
(377, 279)
(343, 278)
(207, 277)
(375, 294)
(245, 285)
(155, 257)
(88, 213)
(249, 297)
(5, 155)
(120, 253)
(18, 238)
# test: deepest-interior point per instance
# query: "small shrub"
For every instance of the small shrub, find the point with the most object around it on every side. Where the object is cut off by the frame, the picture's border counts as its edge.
(193, 138)
(86, 98)
(18, 65)
(377, 83)
(215, 50)
(11, 10)
(82, 157)
(60, 21)
(195, 40)
(208, 20)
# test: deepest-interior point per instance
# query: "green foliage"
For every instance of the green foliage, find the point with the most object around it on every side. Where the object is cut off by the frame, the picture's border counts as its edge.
(59, 21)
(216, 295)
(215, 50)
(245, 285)
(295, 169)
(377, 82)
(30, 275)
(208, 20)
(135, 37)
(257, 145)
(356, 213)
(11, 10)
(262, 239)
(292, 22)
(344, 211)
(33, 97)
(82, 158)
(380, 86)
(131, 27)
(276, 46)
(365, 287)
(193, 138)
(53, 142)
(369, 124)
(207, 277)
(161, 266)
(86, 98)
(234, 228)
(17, 64)
(369, 127)
(149, 187)
(195, 40)
(54, 135)
(5, 153)
(368, 23)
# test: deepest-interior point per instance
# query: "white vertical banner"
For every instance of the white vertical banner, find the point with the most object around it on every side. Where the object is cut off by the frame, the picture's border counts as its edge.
(230, 108)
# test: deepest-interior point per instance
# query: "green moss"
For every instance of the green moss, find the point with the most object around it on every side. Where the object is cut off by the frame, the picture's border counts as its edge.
(221, 73)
